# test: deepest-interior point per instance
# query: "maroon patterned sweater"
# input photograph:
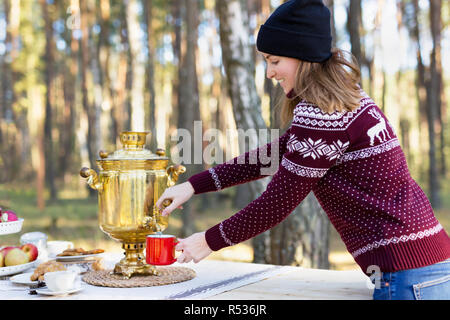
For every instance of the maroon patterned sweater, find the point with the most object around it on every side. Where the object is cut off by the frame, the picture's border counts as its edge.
(354, 164)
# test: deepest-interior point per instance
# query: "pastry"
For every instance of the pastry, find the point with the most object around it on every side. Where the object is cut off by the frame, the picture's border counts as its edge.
(45, 267)
(98, 265)
(95, 251)
(78, 252)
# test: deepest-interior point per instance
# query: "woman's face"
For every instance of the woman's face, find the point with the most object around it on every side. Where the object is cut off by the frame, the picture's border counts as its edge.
(282, 69)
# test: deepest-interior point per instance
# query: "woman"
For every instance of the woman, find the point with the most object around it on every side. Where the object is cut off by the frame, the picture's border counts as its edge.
(340, 146)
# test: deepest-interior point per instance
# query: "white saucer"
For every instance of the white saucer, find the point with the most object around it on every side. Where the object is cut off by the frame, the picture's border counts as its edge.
(47, 292)
(6, 271)
(23, 278)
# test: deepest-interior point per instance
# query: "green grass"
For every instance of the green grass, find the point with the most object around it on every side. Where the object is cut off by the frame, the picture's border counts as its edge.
(68, 219)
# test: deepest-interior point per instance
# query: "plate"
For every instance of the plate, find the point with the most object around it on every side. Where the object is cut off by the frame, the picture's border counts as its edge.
(23, 278)
(78, 258)
(11, 227)
(47, 292)
(6, 271)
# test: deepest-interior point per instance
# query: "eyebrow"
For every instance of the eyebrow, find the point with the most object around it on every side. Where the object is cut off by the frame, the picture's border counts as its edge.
(267, 57)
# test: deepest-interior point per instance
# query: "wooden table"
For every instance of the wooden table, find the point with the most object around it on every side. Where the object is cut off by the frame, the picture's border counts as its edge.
(305, 284)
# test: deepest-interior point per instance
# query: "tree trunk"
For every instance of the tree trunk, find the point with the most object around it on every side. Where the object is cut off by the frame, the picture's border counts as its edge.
(356, 32)
(330, 6)
(354, 24)
(303, 238)
(150, 80)
(8, 119)
(97, 93)
(103, 54)
(48, 124)
(32, 91)
(405, 127)
(420, 81)
(137, 67)
(91, 138)
(433, 101)
(20, 134)
(404, 119)
(119, 115)
(378, 74)
(176, 11)
(437, 74)
(188, 101)
(67, 136)
(237, 56)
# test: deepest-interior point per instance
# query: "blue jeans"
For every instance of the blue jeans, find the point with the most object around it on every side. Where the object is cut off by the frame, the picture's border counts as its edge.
(426, 283)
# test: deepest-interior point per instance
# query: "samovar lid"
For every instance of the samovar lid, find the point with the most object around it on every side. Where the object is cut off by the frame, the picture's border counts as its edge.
(133, 148)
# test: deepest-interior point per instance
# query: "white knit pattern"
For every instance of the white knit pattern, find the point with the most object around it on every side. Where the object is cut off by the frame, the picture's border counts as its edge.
(225, 238)
(312, 117)
(317, 148)
(369, 152)
(303, 171)
(403, 238)
(215, 178)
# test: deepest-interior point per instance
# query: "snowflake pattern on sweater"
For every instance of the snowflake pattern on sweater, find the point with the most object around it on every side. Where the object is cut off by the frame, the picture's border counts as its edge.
(354, 164)
(318, 148)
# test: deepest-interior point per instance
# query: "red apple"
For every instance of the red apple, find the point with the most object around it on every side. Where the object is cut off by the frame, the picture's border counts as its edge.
(8, 216)
(5, 250)
(2, 260)
(31, 250)
(16, 257)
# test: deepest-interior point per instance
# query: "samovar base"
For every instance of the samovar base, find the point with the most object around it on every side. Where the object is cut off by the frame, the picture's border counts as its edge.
(134, 262)
(128, 271)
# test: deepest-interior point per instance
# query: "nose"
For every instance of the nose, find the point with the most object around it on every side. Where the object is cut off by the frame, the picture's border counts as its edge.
(270, 73)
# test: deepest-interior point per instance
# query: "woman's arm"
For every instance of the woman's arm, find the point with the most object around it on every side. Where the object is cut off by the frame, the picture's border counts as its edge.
(309, 156)
(244, 168)
(252, 165)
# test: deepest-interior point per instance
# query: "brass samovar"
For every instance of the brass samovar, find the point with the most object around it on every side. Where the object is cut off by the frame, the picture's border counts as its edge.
(129, 183)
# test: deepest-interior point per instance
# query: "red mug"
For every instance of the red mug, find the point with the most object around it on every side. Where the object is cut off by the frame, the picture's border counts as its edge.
(160, 249)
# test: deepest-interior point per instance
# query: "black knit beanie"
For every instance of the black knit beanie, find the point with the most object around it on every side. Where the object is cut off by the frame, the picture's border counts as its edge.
(297, 29)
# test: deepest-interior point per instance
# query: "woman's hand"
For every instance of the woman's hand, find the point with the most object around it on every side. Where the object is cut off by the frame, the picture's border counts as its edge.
(179, 194)
(193, 248)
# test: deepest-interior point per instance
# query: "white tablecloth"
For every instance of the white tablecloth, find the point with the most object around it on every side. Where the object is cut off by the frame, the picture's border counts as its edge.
(212, 277)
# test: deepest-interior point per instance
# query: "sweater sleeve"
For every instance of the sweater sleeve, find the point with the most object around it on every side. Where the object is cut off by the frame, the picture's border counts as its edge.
(252, 165)
(309, 155)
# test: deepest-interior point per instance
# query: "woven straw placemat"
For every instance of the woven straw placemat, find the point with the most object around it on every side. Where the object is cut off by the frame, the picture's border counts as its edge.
(166, 275)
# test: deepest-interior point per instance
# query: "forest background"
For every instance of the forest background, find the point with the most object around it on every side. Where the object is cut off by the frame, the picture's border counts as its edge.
(76, 73)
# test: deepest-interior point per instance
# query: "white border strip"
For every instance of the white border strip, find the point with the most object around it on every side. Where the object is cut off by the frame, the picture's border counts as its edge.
(394, 240)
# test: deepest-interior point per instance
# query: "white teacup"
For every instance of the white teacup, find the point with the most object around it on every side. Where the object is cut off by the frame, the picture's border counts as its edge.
(60, 280)
(58, 246)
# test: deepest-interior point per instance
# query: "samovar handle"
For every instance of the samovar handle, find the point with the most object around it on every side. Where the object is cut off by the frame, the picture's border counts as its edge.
(103, 154)
(149, 222)
(92, 178)
(166, 203)
(173, 172)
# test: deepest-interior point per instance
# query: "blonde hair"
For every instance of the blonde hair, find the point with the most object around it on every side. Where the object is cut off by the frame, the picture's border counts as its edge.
(331, 85)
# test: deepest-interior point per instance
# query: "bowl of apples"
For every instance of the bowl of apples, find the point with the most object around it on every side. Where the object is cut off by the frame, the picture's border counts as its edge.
(15, 259)
(9, 222)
